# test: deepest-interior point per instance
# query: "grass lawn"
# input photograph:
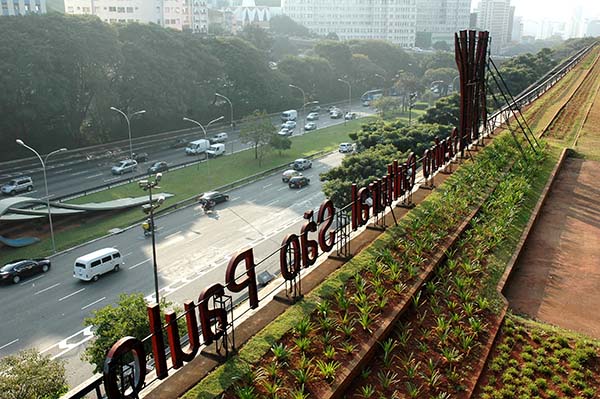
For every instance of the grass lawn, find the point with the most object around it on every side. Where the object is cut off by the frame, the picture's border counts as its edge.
(186, 183)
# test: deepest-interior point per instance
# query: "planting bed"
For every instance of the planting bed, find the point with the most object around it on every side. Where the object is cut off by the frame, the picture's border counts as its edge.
(535, 361)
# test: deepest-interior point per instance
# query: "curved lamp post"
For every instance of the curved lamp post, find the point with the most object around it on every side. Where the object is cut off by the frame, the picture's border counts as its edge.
(230, 116)
(303, 103)
(349, 95)
(204, 131)
(143, 111)
(43, 162)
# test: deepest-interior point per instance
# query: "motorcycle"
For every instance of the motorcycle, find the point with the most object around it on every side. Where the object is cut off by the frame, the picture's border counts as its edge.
(207, 205)
(147, 227)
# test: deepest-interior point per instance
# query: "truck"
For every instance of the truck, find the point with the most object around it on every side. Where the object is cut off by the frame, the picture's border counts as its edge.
(197, 147)
(290, 115)
(215, 150)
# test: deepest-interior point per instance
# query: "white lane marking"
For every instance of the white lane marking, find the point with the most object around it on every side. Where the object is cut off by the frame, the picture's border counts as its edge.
(32, 279)
(139, 264)
(46, 289)
(283, 188)
(33, 192)
(112, 179)
(66, 170)
(79, 173)
(71, 294)
(234, 199)
(92, 176)
(10, 343)
(173, 234)
(128, 253)
(267, 186)
(93, 303)
(272, 203)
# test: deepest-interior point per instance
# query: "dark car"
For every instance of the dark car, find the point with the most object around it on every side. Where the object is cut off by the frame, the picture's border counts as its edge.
(179, 143)
(161, 166)
(16, 270)
(215, 196)
(141, 157)
(298, 182)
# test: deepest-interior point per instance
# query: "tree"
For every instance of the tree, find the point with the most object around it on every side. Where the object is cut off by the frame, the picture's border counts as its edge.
(257, 131)
(338, 54)
(445, 111)
(284, 25)
(280, 143)
(260, 38)
(385, 105)
(441, 46)
(443, 76)
(332, 36)
(391, 58)
(113, 322)
(31, 375)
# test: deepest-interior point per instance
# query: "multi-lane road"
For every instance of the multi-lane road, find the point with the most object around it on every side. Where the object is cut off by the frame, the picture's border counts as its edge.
(71, 172)
(47, 311)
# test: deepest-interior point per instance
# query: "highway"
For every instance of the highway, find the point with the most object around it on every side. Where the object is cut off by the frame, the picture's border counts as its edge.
(193, 249)
(71, 172)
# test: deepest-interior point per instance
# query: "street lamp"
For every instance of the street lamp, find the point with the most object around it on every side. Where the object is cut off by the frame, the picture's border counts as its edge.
(231, 115)
(43, 162)
(143, 111)
(349, 94)
(204, 131)
(411, 102)
(383, 78)
(148, 185)
(303, 102)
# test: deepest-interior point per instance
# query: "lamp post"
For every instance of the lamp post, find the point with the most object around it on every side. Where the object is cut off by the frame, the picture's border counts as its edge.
(303, 103)
(148, 185)
(349, 95)
(230, 117)
(411, 98)
(143, 111)
(204, 131)
(382, 78)
(43, 162)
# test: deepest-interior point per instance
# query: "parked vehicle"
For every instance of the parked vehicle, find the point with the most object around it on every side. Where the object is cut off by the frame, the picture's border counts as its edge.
(315, 108)
(285, 132)
(288, 174)
(215, 196)
(141, 157)
(313, 116)
(301, 164)
(179, 143)
(91, 266)
(290, 115)
(160, 166)
(290, 125)
(335, 114)
(197, 147)
(298, 182)
(346, 147)
(215, 150)
(16, 270)
(310, 126)
(219, 138)
(350, 116)
(17, 185)
(125, 166)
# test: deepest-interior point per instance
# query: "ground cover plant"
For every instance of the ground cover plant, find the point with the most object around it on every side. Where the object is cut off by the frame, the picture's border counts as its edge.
(531, 360)
(351, 304)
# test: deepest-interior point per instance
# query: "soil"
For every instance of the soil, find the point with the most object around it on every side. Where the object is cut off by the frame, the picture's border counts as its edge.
(557, 277)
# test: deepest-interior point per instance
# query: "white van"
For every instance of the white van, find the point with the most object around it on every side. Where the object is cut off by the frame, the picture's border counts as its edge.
(290, 115)
(215, 150)
(91, 266)
(197, 147)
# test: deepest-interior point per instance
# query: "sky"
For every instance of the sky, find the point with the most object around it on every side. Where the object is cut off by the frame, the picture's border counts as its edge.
(555, 9)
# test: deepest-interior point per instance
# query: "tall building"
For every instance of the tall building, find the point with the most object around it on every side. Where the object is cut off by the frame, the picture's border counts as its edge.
(494, 16)
(175, 14)
(391, 20)
(23, 7)
(438, 20)
(517, 30)
(249, 13)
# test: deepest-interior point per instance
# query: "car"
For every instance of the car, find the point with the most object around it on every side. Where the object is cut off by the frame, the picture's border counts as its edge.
(16, 270)
(290, 125)
(310, 126)
(156, 167)
(17, 185)
(313, 116)
(141, 157)
(179, 143)
(125, 166)
(298, 182)
(301, 164)
(215, 196)
(285, 132)
(315, 108)
(219, 138)
(288, 174)
(336, 114)
(350, 116)
(346, 147)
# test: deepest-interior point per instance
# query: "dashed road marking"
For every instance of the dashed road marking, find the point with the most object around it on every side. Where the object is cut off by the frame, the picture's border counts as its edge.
(46, 289)
(93, 303)
(71, 294)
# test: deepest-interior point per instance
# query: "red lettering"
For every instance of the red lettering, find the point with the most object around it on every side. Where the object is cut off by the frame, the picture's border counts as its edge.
(208, 315)
(310, 248)
(289, 272)
(158, 343)
(326, 206)
(178, 355)
(355, 206)
(411, 172)
(111, 365)
(250, 282)
(426, 164)
(363, 206)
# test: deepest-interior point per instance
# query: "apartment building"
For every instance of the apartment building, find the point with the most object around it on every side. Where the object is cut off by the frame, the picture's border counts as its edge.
(22, 7)
(391, 20)
(495, 17)
(438, 20)
(175, 14)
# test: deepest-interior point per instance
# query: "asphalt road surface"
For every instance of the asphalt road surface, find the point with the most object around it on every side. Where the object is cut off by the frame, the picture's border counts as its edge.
(67, 175)
(193, 249)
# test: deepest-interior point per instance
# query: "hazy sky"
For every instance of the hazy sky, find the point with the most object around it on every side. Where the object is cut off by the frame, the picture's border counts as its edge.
(553, 9)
